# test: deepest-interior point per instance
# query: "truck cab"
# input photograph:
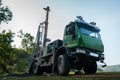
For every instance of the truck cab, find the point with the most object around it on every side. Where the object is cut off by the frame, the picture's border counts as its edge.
(83, 36)
(85, 44)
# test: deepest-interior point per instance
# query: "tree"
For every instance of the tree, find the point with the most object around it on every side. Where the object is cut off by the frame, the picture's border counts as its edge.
(14, 59)
(6, 55)
(24, 53)
(27, 41)
(21, 61)
(5, 13)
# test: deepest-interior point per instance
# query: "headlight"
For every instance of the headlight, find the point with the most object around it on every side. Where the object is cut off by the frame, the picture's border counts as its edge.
(102, 55)
(80, 50)
(94, 54)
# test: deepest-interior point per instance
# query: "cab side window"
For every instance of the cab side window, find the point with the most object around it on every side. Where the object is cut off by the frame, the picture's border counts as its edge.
(70, 29)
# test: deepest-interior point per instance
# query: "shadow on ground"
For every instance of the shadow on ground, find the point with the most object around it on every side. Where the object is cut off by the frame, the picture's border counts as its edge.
(15, 75)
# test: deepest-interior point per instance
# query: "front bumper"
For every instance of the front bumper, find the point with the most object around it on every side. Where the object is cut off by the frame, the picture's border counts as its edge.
(89, 53)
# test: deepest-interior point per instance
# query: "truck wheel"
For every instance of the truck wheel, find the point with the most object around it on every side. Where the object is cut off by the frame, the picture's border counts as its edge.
(90, 67)
(34, 68)
(37, 70)
(63, 65)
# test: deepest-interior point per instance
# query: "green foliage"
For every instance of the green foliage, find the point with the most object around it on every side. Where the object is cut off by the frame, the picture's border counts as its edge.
(21, 62)
(23, 54)
(14, 59)
(27, 41)
(6, 55)
(5, 13)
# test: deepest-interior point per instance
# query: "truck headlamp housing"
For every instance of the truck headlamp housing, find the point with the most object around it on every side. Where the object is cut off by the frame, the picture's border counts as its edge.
(78, 50)
(94, 54)
(102, 55)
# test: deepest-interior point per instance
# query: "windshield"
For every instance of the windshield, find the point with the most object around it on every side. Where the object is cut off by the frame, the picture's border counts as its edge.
(89, 32)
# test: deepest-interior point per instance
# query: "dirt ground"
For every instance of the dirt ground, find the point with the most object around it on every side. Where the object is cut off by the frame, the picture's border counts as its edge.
(97, 75)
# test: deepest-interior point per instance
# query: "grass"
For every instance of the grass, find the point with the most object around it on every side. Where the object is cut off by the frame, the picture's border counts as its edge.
(56, 77)
(59, 78)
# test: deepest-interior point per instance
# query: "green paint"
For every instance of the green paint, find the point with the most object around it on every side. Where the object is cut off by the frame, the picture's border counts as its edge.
(82, 39)
(92, 43)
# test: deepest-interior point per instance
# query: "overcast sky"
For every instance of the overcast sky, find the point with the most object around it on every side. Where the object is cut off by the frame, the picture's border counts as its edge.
(27, 14)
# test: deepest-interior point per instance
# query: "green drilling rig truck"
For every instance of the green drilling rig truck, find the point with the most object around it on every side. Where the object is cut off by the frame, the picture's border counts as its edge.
(80, 49)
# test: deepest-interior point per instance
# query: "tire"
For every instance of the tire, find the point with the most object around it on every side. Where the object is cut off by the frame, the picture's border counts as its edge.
(30, 70)
(37, 70)
(63, 65)
(90, 67)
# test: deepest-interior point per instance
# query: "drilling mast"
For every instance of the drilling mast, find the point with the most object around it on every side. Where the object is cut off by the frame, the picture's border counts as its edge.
(46, 26)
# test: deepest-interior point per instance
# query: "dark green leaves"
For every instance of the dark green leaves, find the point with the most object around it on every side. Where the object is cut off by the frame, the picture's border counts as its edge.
(5, 13)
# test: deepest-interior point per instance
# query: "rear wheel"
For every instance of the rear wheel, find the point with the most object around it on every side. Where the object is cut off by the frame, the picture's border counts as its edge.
(37, 70)
(90, 67)
(63, 64)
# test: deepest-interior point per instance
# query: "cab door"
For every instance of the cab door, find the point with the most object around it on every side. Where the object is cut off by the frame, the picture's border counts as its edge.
(69, 35)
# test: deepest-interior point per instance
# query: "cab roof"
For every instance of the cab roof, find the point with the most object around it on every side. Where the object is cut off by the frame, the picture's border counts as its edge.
(80, 20)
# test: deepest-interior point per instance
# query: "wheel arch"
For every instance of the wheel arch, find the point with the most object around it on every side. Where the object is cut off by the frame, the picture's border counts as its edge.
(61, 50)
